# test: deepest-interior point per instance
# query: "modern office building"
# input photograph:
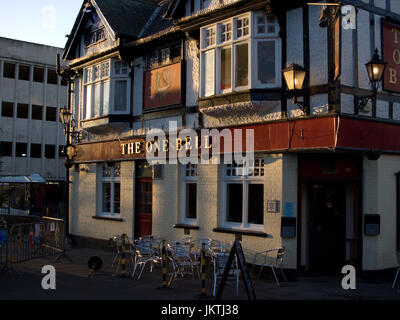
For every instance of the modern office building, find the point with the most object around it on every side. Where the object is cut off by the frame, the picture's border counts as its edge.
(31, 135)
(324, 179)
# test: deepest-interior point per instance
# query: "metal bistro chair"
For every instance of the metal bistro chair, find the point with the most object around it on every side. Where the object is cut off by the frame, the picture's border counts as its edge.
(219, 261)
(398, 269)
(273, 259)
(147, 250)
(182, 259)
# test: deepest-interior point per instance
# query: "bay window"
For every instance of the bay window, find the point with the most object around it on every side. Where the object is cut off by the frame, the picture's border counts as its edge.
(243, 195)
(240, 53)
(106, 89)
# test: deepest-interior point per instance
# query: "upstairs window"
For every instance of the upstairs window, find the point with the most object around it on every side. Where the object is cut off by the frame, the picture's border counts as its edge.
(96, 81)
(106, 89)
(9, 70)
(50, 151)
(24, 72)
(51, 114)
(94, 36)
(5, 149)
(22, 110)
(163, 56)
(240, 53)
(52, 76)
(37, 112)
(38, 74)
(36, 150)
(21, 149)
(7, 109)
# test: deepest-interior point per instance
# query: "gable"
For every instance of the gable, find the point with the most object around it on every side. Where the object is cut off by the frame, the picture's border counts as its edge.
(120, 19)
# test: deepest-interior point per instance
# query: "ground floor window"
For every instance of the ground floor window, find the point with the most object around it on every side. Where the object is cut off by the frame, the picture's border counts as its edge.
(110, 187)
(243, 194)
(189, 193)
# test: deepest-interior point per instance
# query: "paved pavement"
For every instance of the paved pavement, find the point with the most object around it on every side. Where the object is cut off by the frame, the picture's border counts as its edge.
(73, 283)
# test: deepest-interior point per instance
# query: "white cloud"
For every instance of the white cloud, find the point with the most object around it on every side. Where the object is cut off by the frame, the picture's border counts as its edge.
(49, 17)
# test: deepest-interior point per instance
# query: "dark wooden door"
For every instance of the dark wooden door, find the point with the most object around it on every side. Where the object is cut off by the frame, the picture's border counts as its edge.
(143, 217)
(327, 227)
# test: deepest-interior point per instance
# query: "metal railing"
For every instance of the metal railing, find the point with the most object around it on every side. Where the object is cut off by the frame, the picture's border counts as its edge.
(27, 241)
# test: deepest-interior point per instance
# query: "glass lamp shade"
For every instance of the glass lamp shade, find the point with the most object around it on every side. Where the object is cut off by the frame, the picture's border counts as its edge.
(65, 116)
(375, 68)
(294, 77)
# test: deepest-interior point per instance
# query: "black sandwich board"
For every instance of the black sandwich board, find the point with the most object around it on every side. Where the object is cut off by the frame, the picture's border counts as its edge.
(237, 249)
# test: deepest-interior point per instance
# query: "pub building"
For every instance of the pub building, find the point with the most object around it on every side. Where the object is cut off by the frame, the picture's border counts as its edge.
(319, 85)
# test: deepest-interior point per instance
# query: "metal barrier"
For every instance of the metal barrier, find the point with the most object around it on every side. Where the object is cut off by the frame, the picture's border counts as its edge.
(27, 241)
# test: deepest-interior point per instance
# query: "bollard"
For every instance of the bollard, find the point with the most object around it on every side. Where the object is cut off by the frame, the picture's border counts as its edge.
(203, 294)
(164, 268)
(123, 271)
(122, 259)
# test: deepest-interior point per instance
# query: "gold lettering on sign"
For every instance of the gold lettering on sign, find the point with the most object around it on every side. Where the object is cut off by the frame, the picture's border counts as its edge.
(138, 147)
(188, 146)
(207, 143)
(165, 145)
(396, 56)
(149, 146)
(178, 144)
(392, 76)
(396, 33)
(130, 148)
(123, 145)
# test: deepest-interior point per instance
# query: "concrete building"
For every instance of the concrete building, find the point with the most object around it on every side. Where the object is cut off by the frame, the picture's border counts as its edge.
(324, 181)
(31, 95)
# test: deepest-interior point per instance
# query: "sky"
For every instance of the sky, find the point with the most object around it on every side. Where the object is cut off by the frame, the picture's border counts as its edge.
(39, 21)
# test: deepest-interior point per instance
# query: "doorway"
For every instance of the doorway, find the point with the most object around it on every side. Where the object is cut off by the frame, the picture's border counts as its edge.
(143, 199)
(327, 227)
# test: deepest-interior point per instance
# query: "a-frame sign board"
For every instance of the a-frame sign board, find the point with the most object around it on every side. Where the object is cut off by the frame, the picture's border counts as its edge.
(237, 249)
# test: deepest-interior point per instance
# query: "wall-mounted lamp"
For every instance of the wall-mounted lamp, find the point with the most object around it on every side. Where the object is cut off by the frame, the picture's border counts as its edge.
(375, 69)
(71, 135)
(294, 76)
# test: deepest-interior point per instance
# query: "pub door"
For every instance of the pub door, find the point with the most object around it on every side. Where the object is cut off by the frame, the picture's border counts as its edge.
(143, 216)
(327, 227)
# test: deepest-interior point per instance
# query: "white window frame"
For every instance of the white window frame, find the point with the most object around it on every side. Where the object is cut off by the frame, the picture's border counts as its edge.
(245, 180)
(112, 180)
(252, 39)
(109, 79)
(120, 77)
(188, 179)
(89, 82)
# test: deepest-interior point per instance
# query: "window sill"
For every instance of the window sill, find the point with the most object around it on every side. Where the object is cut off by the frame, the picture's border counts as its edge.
(186, 226)
(107, 218)
(243, 232)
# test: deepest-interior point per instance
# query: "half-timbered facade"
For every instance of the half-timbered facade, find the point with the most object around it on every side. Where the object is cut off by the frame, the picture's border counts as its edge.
(324, 179)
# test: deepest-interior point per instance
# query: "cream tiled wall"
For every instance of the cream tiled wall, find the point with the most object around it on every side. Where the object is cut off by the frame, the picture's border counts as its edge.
(379, 196)
(84, 200)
